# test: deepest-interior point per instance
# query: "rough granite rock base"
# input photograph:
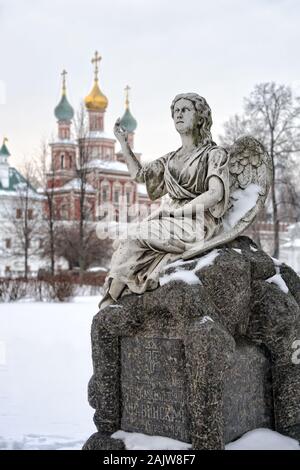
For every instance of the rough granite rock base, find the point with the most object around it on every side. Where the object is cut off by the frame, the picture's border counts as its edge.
(200, 362)
(154, 389)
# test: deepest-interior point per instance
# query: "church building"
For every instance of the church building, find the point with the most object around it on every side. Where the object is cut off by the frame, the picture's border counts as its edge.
(84, 159)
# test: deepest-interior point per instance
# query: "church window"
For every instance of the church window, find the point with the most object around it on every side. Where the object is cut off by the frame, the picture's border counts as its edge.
(19, 213)
(116, 195)
(128, 192)
(95, 152)
(62, 162)
(104, 194)
(8, 243)
(64, 212)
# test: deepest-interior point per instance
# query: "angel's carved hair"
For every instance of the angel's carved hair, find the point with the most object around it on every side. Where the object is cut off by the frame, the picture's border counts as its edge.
(203, 111)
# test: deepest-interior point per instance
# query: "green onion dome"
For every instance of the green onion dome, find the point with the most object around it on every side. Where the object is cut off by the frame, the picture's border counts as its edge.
(64, 111)
(128, 122)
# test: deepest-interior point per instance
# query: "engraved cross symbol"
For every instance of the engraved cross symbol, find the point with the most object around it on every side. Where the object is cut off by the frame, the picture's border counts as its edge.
(95, 61)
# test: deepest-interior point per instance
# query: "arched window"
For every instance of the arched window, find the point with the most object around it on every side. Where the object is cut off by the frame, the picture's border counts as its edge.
(105, 192)
(117, 193)
(128, 193)
(64, 212)
(98, 122)
(62, 162)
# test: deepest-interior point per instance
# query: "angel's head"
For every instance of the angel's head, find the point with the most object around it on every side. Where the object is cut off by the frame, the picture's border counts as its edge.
(192, 114)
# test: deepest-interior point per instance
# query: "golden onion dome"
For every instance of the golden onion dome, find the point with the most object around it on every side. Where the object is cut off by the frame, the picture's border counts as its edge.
(96, 100)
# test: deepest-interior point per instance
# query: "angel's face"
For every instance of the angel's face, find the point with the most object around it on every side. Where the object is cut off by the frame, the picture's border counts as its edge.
(184, 116)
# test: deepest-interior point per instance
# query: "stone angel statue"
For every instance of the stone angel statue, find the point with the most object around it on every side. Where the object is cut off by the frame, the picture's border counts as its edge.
(199, 181)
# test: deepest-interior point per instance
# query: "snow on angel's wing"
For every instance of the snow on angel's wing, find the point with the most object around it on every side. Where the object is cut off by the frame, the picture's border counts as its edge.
(250, 169)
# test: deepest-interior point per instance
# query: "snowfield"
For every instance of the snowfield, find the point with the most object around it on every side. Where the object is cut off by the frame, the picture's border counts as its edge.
(43, 391)
(45, 366)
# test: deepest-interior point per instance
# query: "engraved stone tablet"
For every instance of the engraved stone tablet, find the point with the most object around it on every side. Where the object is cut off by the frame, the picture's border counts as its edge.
(248, 400)
(154, 392)
(153, 387)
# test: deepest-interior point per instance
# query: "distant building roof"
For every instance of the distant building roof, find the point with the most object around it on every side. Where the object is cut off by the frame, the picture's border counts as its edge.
(75, 185)
(109, 166)
(4, 150)
(99, 135)
(17, 182)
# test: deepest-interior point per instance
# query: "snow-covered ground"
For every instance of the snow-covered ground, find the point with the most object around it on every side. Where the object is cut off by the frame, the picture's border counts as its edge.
(44, 376)
(45, 365)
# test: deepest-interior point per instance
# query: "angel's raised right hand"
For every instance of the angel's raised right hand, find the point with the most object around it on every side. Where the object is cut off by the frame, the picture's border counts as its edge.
(120, 133)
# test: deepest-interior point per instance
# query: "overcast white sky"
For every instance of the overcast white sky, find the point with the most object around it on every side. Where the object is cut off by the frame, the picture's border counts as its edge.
(217, 48)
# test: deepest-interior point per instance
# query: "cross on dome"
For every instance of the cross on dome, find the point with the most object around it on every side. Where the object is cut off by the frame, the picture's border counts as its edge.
(64, 88)
(127, 89)
(95, 61)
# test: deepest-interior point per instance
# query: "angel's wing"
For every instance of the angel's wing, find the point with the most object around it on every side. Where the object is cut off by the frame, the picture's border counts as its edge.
(250, 169)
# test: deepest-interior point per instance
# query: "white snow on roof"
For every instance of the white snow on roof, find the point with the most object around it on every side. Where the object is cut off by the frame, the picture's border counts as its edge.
(142, 189)
(108, 165)
(100, 135)
(97, 269)
(22, 192)
(75, 185)
(64, 141)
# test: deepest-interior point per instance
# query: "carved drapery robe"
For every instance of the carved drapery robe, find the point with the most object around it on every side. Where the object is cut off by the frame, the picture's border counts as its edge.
(151, 244)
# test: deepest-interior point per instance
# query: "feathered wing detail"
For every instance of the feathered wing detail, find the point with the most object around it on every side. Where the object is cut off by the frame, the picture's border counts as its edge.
(250, 169)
